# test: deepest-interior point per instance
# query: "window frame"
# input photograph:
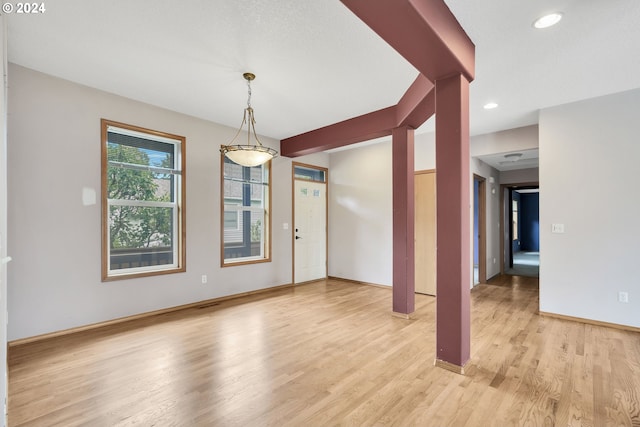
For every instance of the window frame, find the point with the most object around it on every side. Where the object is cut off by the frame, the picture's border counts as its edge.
(178, 206)
(236, 219)
(266, 228)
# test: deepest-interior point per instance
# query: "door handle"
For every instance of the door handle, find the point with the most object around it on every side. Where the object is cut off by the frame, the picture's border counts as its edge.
(298, 237)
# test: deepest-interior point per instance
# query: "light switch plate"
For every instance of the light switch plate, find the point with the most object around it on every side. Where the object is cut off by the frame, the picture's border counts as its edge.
(557, 228)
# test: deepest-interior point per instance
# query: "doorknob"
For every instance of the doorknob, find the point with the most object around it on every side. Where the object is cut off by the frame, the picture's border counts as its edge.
(298, 237)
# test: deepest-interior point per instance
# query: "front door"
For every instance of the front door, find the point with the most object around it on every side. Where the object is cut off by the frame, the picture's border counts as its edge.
(310, 231)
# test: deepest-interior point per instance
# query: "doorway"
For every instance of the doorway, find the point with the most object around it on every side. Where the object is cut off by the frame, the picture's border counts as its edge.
(520, 230)
(309, 238)
(479, 230)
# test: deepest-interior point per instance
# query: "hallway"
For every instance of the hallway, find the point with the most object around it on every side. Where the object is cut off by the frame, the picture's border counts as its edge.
(525, 264)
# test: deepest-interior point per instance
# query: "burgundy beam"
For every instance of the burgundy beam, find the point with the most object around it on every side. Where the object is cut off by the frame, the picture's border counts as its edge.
(442, 22)
(417, 104)
(453, 222)
(427, 34)
(403, 221)
(422, 111)
(424, 32)
(362, 128)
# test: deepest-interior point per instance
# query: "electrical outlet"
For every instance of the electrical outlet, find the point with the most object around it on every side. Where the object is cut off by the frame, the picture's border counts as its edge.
(204, 278)
(623, 296)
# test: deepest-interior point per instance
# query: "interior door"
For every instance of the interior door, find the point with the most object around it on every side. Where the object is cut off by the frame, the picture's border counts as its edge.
(310, 231)
(425, 232)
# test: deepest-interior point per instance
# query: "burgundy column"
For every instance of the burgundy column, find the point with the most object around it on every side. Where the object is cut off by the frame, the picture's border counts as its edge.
(453, 228)
(403, 222)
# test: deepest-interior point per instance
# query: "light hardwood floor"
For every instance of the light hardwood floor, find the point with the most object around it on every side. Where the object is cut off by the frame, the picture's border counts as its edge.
(331, 353)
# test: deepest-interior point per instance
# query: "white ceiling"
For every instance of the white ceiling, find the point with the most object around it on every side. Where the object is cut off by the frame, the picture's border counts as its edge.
(317, 63)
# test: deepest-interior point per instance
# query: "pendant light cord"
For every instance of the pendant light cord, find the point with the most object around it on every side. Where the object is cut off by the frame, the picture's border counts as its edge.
(249, 92)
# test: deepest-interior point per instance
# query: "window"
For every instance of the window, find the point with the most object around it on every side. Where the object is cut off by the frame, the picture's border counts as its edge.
(245, 217)
(514, 213)
(309, 173)
(232, 220)
(143, 201)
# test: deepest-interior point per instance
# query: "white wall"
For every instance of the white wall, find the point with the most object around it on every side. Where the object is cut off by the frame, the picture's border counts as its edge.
(54, 151)
(360, 214)
(589, 155)
(518, 139)
(425, 151)
(519, 176)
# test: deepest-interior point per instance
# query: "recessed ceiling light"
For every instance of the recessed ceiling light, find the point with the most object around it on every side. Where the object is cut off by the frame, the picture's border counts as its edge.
(490, 106)
(548, 20)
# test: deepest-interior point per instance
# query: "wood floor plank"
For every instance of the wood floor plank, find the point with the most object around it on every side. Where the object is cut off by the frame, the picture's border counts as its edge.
(331, 353)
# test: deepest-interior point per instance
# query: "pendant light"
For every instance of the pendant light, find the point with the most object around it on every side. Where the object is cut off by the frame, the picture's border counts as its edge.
(248, 154)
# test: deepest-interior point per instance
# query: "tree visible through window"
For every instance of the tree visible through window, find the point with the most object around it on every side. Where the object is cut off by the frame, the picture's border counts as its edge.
(143, 200)
(245, 217)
